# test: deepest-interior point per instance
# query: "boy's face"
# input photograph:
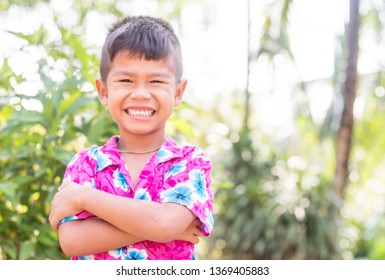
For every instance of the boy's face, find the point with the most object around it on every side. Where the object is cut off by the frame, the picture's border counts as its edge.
(140, 94)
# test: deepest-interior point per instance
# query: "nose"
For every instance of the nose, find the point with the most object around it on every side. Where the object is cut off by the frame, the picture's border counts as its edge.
(140, 92)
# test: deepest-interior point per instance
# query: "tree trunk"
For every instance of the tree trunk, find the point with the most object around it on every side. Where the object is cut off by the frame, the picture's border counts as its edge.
(345, 132)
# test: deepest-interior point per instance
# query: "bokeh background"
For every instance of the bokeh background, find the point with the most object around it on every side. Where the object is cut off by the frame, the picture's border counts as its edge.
(286, 96)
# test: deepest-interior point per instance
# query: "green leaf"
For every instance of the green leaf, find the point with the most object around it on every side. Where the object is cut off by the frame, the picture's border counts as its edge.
(46, 240)
(70, 83)
(36, 38)
(9, 250)
(73, 103)
(24, 179)
(27, 250)
(9, 189)
(30, 117)
(94, 133)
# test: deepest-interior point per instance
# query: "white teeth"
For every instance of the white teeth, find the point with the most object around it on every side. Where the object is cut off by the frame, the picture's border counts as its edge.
(140, 113)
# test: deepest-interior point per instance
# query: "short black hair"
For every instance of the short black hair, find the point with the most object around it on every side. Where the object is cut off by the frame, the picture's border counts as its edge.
(144, 37)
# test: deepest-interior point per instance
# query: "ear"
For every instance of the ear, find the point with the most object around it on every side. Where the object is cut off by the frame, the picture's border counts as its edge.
(179, 92)
(102, 91)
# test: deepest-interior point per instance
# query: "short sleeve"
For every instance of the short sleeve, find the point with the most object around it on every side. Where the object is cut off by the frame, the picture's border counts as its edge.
(81, 170)
(188, 182)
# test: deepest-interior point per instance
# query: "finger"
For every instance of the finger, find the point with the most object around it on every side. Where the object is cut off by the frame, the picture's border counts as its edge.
(52, 218)
(51, 213)
(195, 239)
(198, 232)
(198, 224)
(54, 224)
(52, 221)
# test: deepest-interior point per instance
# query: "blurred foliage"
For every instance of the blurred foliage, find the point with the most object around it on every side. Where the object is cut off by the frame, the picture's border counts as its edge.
(37, 144)
(280, 203)
(272, 201)
(6, 4)
(273, 206)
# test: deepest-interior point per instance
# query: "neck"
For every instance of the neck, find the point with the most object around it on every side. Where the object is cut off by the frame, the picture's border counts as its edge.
(138, 152)
(140, 144)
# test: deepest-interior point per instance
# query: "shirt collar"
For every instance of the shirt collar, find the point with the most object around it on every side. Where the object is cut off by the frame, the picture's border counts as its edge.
(168, 151)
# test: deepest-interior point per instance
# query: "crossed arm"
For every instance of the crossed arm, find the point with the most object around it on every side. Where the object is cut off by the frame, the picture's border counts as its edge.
(120, 221)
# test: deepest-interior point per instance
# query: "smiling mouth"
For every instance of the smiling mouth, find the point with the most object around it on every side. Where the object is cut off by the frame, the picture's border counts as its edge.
(140, 113)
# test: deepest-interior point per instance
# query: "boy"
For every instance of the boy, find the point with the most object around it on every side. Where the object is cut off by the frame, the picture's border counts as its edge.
(139, 196)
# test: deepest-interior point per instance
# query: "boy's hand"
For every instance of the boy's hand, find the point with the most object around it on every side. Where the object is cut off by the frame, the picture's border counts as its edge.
(65, 203)
(192, 232)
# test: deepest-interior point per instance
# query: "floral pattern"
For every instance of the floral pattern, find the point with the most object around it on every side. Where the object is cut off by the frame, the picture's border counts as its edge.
(128, 253)
(181, 194)
(177, 168)
(135, 254)
(177, 174)
(120, 181)
(198, 181)
(142, 194)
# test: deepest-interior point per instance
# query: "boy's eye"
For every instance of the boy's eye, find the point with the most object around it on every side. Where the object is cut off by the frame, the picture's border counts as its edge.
(156, 82)
(125, 81)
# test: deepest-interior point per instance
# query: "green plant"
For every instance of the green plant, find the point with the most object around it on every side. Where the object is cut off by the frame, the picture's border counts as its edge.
(41, 129)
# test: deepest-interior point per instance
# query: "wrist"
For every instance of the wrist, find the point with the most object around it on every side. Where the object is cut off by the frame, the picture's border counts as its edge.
(83, 193)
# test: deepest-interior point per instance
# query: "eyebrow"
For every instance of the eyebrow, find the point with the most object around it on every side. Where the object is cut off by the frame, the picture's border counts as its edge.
(154, 74)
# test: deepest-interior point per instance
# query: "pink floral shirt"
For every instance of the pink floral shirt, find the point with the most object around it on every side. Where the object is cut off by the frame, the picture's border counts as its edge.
(177, 174)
